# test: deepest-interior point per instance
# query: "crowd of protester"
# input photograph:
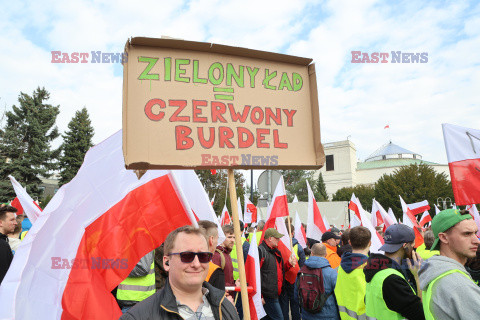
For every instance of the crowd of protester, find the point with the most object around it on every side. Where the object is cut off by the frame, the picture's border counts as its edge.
(192, 276)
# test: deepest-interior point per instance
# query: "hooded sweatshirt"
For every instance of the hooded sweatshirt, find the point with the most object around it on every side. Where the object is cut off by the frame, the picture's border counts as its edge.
(454, 296)
(351, 261)
(397, 293)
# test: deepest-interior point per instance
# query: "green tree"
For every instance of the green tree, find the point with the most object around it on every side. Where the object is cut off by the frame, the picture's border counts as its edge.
(363, 192)
(216, 184)
(321, 190)
(414, 183)
(25, 150)
(296, 184)
(76, 142)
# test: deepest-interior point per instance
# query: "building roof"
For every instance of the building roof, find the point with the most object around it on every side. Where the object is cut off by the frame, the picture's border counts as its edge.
(391, 150)
(391, 163)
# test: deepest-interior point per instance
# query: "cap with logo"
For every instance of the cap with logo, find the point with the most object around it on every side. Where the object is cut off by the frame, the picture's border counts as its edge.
(395, 236)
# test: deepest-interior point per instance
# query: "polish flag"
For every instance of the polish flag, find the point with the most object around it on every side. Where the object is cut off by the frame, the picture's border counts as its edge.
(418, 207)
(252, 271)
(472, 208)
(387, 127)
(355, 219)
(250, 211)
(436, 209)
(295, 199)
(317, 225)
(285, 248)
(463, 153)
(377, 219)
(213, 199)
(225, 219)
(103, 217)
(378, 209)
(425, 219)
(410, 220)
(239, 208)
(278, 207)
(377, 240)
(300, 232)
(24, 201)
(392, 215)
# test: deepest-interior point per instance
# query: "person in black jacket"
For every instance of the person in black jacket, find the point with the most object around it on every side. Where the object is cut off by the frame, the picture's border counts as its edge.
(185, 294)
(8, 222)
(397, 289)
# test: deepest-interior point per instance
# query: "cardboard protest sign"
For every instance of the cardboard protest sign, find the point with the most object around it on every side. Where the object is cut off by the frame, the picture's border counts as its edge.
(200, 105)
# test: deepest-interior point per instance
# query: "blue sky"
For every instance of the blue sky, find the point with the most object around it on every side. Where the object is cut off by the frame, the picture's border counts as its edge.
(356, 100)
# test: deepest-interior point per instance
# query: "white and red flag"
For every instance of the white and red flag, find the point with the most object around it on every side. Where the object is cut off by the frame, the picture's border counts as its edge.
(418, 207)
(285, 248)
(377, 240)
(387, 219)
(295, 199)
(252, 271)
(392, 215)
(377, 219)
(250, 211)
(472, 208)
(463, 153)
(436, 209)
(89, 238)
(425, 219)
(278, 207)
(317, 224)
(225, 218)
(355, 219)
(240, 211)
(300, 234)
(410, 220)
(24, 202)
(213, 199)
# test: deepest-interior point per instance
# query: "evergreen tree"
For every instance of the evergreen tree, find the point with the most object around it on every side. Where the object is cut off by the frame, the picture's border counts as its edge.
(25, 150)
(365, 193)
(216, 184)
(414, 183)
(76, 142)
(296, 184)
(321, 190)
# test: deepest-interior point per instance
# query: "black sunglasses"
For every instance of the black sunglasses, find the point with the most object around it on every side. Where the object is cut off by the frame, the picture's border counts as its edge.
(188, 256)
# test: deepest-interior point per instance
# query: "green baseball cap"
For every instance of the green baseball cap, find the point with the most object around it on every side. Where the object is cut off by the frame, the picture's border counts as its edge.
(272, 232)
(443, 221)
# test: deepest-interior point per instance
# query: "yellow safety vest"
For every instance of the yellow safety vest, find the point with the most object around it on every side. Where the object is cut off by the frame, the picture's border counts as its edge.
(350, 293)
(295, 250)
(233, 255)
(23, 234)
(375, 306)
(425, 254)
(427, 294)
(137, 289)
(259, 235)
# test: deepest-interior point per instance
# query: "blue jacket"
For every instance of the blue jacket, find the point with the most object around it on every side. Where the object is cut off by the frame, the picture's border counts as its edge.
(330, 309)
(301, 253)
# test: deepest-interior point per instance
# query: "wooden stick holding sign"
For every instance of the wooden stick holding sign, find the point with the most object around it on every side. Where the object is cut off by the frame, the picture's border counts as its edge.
(238, 244)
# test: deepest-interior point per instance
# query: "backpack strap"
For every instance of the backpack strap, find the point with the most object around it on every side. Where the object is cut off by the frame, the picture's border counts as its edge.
(222, 258)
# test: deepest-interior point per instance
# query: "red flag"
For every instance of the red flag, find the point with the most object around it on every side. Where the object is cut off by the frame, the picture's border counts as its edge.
(418, 207)
(300, 232)
(387, 126)
(463, 153)
(252, 271)
(103, 222)
(410, 220)
(278, 207)
(355, 219)
(250, 211)
(16, 204)
(317, 225)
(286, 250)
(425, 219)
(225, 219)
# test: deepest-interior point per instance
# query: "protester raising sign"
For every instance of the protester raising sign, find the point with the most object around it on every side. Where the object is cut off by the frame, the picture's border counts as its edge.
(200, 105)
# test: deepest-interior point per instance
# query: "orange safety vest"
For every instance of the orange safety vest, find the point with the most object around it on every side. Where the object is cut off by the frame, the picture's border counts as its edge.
(211, 269)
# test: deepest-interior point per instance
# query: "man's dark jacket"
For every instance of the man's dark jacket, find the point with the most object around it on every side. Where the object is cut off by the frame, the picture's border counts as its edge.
(271, 263)
(163, 306)
(6, 256)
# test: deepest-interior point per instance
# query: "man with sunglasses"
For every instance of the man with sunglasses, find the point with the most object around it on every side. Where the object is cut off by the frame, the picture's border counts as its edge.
(448, 290)
(185, 295)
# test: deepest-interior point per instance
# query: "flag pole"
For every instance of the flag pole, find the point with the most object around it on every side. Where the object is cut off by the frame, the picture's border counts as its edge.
(238, 245)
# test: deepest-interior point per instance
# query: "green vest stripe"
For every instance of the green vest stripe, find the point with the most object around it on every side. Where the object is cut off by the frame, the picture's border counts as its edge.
(137, 289)
(376, 308)
(427, 295)
(233, 255)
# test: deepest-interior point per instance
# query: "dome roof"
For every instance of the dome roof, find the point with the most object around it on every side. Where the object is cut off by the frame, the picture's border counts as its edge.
(392, 151)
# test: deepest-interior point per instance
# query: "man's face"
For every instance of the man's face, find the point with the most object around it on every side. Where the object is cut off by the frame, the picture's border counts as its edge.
(332, 242)
(187, 277)
(462, 239)
(229, 241)
(8, 223)
(408, 249)
(273, 242)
